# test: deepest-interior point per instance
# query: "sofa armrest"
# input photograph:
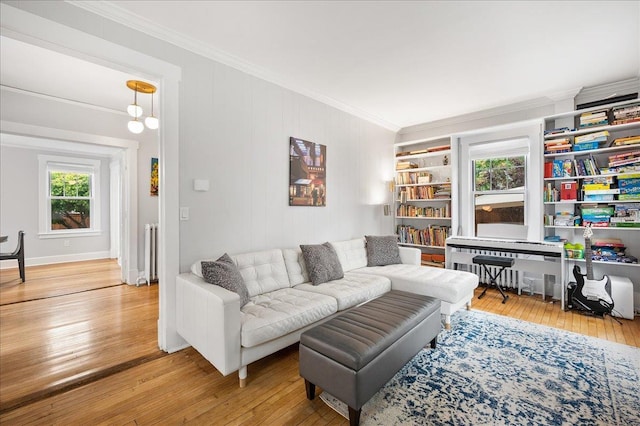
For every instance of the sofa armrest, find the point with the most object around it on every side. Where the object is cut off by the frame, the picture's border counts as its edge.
(410, 255)
(208, 318)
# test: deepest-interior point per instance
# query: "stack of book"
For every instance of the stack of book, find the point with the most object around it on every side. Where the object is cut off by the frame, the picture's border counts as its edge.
(590, 141)
(629, 140)
(629, 186)
(556, 146)
(594, 118)
(565, 219)
(626, 162)
(610, 250)
(598, 189)
(626, 113)
(626, 216)
(558, 131)
(597, 216)
(443, 191)
(403, 165)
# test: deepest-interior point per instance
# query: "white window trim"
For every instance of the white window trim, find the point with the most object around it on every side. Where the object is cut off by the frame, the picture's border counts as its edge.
(511, 147)
(86, 164)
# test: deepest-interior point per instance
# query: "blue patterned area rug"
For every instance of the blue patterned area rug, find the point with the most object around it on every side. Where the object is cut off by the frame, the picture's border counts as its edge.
(493, 370)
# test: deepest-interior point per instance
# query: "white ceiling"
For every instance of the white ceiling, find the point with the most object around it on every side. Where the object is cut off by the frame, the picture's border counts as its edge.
(397, 63)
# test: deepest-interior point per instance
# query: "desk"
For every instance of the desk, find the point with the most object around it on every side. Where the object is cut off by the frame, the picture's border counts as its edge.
(548, 257)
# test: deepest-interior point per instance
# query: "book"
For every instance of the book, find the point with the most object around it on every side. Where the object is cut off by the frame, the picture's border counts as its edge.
(592, 136)
(569, 190)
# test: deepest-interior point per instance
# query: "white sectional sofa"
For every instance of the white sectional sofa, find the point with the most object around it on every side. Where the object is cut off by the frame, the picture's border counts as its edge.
(284, 303)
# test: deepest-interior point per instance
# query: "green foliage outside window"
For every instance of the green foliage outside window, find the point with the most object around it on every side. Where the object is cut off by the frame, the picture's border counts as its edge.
(70, 200)
(499, 174)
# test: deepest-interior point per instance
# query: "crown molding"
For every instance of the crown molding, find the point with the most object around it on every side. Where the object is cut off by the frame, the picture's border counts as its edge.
(110, 10)
(479, 115)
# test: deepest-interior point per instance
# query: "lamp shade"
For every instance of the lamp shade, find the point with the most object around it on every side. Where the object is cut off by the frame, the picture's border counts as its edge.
(135, 126)
(151, 122)
(134, 110)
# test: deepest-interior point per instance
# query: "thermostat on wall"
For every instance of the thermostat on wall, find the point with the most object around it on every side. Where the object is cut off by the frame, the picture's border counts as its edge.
(200, 184)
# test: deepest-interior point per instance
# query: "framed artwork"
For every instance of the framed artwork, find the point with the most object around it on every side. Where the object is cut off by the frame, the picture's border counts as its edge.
(154, 177)
(307, 173)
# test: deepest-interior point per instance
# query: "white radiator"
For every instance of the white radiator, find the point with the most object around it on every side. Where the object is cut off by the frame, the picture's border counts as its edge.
(509, 278)
(151, 252)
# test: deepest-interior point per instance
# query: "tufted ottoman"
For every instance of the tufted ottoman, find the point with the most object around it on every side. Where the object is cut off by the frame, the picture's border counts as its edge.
(354, 354)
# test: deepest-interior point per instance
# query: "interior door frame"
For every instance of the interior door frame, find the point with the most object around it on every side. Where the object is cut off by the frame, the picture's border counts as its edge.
(22, 25)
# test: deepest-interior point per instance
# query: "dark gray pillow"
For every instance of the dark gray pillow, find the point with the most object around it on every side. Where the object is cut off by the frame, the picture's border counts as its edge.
(224, 273)
(382, 250)
(322, 263)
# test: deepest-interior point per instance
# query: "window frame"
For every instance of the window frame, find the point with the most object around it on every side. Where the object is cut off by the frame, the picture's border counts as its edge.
(52, 163)
(507, 148)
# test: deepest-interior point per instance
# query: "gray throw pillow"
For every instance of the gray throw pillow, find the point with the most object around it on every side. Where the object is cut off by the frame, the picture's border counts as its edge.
(322, 263)
(382, 250)
(224, 273)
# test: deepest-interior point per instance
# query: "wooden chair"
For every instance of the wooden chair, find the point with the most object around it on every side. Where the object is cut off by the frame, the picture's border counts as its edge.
(18, 254)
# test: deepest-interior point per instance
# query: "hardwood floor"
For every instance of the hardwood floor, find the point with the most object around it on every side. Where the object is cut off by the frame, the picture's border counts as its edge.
(91, 357)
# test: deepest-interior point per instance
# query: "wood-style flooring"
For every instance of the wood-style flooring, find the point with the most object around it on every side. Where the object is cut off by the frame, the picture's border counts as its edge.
(77, 348)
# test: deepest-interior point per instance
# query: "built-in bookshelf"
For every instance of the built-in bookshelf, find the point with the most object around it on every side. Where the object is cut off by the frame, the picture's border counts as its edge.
(423, 196)
(592, 178)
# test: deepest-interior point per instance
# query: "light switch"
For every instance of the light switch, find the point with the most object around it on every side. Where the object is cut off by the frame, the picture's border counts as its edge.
(184, 213)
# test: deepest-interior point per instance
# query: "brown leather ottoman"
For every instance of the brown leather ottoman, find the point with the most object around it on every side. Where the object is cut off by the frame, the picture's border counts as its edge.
(354, 354)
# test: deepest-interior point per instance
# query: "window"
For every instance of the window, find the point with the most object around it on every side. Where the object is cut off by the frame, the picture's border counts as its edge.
(499, 188)
(69, 189)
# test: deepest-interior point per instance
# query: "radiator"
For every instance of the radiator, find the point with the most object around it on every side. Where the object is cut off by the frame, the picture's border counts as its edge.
(151, 252)
(508, 278)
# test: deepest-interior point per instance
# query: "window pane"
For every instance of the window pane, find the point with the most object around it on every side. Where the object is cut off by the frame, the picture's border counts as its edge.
(56, 184)
(516, 177)
(70, 214)
(63, 184)
(483, 181)
(499, 180)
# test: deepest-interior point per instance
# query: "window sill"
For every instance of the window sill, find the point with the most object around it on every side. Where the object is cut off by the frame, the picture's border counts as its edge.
(69, 234)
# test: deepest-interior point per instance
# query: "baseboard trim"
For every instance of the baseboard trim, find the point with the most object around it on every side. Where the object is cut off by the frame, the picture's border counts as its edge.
(49, 260)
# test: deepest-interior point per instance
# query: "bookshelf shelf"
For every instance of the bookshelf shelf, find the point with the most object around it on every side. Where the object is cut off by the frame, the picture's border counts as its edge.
(596, 229)
(423, 217)
(425, 155)
(604, 178)
(422, 246)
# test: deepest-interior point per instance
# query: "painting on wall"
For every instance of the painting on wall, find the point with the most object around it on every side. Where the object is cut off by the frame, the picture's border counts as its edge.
(307, 173)
(154, 177)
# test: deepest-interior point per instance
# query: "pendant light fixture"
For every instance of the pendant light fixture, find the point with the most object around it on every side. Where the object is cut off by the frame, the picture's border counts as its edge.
(135, 110)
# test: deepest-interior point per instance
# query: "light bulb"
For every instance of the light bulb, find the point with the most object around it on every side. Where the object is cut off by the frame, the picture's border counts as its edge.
(134, 110)
(135, 126)
(151, 122)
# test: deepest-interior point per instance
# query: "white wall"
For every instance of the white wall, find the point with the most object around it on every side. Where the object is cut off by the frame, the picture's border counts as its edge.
(20, 206)
(239, 140)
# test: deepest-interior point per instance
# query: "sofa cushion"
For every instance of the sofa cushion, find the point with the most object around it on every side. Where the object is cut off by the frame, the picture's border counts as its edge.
(447, 285)
(296, 269)
(351, 253)
(351, 290)
(262, 271)
(382, 250)
(322, 263)
(274, 314)
(223, 272)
